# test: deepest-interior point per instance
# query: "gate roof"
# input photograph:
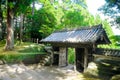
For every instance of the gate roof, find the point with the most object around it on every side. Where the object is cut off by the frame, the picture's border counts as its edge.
(95, 34)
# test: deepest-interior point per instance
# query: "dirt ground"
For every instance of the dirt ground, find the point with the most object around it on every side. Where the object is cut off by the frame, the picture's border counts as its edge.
(37, 72)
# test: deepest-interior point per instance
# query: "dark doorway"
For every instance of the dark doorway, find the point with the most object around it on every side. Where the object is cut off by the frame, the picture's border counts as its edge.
(79, 59)
(56, 59)
(55, 56)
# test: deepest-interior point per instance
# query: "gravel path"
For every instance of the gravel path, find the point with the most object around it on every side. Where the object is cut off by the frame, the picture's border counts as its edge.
(37, 72)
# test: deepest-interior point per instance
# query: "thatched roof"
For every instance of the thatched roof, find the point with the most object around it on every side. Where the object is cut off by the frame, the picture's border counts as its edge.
(94, 34)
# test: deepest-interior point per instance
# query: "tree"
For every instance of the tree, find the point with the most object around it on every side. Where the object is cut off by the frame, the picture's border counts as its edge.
(112, 8)
(13, 7)
(77, 16)
(10, 33)
(43, 21)
(2, 15)
(21, 26)
(49, 17)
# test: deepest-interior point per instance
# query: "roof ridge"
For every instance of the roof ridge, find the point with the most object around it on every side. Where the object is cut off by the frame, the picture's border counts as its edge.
(99, 26)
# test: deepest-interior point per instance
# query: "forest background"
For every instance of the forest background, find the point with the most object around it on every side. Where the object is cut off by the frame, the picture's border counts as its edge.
(22, 21)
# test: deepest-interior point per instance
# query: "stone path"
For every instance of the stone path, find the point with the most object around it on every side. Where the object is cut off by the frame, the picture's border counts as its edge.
(37, 72)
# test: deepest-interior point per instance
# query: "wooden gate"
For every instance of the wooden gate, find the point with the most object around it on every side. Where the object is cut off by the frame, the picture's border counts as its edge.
(83, 57)
(79, 53)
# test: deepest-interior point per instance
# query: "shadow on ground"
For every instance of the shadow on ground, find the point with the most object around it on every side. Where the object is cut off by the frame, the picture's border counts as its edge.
(36, 72)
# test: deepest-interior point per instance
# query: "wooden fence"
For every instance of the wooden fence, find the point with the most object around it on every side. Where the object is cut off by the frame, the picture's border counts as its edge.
(108, 52)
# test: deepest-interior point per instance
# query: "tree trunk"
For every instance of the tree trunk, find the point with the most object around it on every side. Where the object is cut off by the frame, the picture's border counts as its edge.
(21, 28)
(10, 33)
(33, 7)
(1, 19)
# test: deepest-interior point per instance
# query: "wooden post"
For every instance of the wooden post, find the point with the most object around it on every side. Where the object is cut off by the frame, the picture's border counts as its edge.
(62, 56)
(66, 56)
(94, 50)
(94, 46)
(37, 40)
(52, 58)
(75, 59)
(85, 58)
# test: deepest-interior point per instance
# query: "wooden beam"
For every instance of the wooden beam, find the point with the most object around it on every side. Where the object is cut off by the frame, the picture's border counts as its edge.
(75, 60)
(73, 45)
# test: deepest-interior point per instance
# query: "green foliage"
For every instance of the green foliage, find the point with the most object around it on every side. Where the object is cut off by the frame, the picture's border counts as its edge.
(107, 28)
(45, 31)
(2, 43)
(77, 16)
(111, 8)
(20, 6)
(71, 55)
(11, 5)
(43, 21)
(72, 21)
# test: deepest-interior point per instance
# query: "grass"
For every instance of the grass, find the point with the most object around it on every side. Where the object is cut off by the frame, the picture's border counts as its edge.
(20, 52)
(27, 47)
